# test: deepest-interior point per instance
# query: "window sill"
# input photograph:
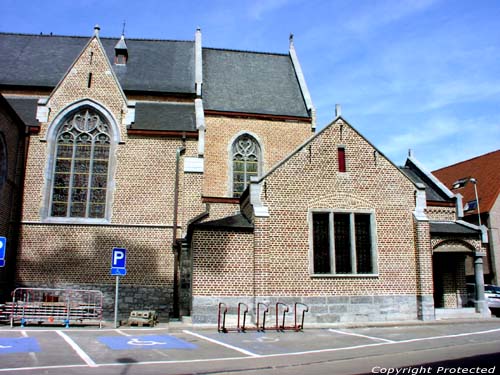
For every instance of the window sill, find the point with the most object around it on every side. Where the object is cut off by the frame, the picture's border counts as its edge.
(344, 275)
(54, 220)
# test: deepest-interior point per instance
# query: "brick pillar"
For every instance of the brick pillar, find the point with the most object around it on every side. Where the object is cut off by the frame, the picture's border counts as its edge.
(425, 288)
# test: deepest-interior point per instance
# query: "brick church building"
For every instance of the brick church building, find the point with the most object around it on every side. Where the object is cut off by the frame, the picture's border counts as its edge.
(204, 164)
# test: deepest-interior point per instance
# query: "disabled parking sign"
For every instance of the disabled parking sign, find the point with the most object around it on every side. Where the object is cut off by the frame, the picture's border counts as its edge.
(3, 246)
(145, 342)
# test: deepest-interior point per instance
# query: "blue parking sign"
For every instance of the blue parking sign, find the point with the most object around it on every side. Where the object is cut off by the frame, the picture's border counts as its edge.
(118, 261)
(3, 246)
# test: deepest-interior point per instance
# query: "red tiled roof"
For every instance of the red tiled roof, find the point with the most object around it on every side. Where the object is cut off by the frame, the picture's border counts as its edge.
(485, 169)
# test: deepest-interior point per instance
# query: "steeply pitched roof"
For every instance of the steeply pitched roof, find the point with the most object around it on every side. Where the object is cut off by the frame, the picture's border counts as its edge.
(434, 190)
(485, 169)
(249, 82)
(233, 81)
(152, 65)
(164, 116)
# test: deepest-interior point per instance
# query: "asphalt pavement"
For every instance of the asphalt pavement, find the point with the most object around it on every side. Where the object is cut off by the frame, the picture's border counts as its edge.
(188, 350)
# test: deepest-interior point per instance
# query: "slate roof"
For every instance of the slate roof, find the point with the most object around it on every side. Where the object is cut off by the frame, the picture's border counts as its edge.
(233, 81)
(164, 116)
(152, 65)
(432, 192)
(485, 169)
(236, 222)
(25, 109)
(250, 82)
(451, 228)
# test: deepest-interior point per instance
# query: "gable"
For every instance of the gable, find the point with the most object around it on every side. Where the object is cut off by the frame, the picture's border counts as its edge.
(310, 176)
(89, 77)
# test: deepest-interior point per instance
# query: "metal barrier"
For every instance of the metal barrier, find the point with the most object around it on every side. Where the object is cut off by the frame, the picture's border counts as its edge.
(241, 323)
(55, 306)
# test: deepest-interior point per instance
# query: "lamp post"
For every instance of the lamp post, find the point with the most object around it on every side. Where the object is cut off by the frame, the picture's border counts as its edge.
(481, 303)
(474, 181)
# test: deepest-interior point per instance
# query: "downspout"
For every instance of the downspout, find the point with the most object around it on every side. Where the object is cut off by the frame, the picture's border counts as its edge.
(175, 247)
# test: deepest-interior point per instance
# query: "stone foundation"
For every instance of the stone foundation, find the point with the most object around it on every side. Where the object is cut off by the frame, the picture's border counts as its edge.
(332, 309)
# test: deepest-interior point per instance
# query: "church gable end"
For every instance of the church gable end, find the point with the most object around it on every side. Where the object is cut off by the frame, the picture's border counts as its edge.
(90, 77)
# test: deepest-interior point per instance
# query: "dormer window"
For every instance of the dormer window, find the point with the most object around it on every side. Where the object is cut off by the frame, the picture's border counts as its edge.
(121, 52)
(121, 59)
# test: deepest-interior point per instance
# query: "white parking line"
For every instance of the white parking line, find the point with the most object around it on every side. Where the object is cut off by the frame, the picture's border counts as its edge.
(222, 344)
(84, 356)
(359, 335)
(224, 359)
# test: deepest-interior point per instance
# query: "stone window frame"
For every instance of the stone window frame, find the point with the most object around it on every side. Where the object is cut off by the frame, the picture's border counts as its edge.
(51, 139)
(260, 161)
(4, 163)
(373, 235)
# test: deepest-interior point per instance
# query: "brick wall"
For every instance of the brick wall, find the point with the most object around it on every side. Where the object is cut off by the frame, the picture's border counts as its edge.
(278, 139)
(310, 180)
(441, 213)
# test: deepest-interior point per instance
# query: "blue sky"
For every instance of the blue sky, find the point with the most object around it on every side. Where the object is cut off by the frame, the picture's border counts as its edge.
(419, 74)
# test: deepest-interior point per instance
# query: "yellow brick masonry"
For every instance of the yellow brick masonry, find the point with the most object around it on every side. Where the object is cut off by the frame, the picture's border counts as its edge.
(278, 139)
(142, 205)
(310, 180)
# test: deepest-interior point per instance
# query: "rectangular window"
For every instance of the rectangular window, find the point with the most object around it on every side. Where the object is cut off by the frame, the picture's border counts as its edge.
(321, 240)
(341, 158)
(352, 250)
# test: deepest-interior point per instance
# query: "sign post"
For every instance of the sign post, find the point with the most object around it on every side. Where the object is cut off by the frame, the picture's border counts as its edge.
(3, 246)
(118, 263)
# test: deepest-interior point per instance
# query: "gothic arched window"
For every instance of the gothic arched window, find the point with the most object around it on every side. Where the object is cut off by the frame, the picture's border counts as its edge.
(81, 166)
(246, 157)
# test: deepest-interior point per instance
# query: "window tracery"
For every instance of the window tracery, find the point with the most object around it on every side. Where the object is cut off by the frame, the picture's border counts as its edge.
(246, 158)
(80, 175)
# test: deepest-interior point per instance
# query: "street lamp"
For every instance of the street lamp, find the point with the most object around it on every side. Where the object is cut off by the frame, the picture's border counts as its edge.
(474, 181)
(480, 302)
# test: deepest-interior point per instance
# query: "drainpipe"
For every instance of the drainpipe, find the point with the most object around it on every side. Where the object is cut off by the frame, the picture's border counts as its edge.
(175, 247)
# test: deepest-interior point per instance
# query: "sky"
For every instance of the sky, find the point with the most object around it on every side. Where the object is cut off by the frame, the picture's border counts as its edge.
(408, 74)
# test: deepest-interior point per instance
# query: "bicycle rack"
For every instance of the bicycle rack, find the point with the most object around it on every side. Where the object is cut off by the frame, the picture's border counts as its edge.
(300, 326)
(223, 327)
(266, 310)
(285, 310)
(241, 323)
(296, 326)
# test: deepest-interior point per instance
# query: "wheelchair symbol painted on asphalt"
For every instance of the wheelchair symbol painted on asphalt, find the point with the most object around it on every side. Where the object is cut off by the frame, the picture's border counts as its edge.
(139, 342)
(145, 342)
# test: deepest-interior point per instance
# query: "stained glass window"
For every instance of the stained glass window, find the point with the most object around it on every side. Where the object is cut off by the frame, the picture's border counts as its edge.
(246, 158)
(81, 166)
